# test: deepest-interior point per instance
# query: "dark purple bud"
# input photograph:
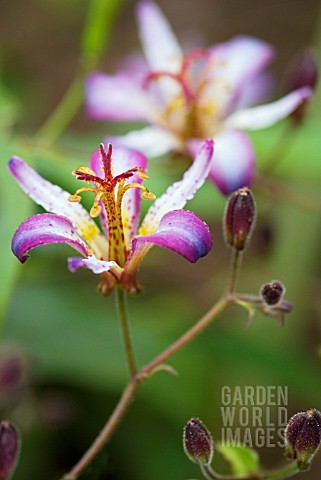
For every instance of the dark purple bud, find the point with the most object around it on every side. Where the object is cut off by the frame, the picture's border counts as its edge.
(239, 218)
(303, 72)
(303, 437)
(198, 443)
(272, 292)
(9, 449)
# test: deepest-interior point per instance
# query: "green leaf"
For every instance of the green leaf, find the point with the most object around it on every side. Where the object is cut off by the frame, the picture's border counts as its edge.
(243, 460)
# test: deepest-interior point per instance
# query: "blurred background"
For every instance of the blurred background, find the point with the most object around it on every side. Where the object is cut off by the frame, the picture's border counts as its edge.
(62, 365)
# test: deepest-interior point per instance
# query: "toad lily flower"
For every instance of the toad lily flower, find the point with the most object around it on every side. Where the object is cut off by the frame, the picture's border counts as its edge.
(185, 99)
(115, 252)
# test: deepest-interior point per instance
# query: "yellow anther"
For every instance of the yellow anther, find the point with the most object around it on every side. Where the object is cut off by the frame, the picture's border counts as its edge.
(95, 210)
(142, 175)
(147, 195)
(74, 198)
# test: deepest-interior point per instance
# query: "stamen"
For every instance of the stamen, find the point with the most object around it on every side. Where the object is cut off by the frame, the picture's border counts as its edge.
(147, 195)
(141, 174)
(95, 210)
(74, 198)
(82, 169)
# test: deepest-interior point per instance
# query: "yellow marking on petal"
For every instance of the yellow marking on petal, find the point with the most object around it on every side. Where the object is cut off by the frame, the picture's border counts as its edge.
(145, 230)
(89, 232)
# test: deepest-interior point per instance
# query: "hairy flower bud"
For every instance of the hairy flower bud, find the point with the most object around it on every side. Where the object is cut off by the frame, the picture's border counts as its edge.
(9, 448)
(198, 443)
(239, 218)
(303, 437)
(272, 292)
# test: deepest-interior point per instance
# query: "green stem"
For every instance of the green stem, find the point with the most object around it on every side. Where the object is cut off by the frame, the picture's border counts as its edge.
(235, 268)
(63, 114)
(186, 338)
(97, 29)
(121, 303)
(285, 472)
(130, 391)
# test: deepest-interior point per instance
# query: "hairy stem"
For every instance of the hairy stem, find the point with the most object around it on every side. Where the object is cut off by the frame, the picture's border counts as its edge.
(121, 302)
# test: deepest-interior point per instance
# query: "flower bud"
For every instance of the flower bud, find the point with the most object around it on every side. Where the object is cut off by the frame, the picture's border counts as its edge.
(303, 437)
(198, 443)
(239, 218)
(272, 292)
(9, 448)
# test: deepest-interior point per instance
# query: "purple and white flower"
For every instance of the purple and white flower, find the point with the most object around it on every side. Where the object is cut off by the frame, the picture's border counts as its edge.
(116, 251)
(185, 99)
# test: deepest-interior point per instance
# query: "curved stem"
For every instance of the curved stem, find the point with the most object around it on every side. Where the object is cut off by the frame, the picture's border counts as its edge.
(187, 337)
(64, 112)
(105, 434)
(121, 302)
(285, 472)
(130, 391)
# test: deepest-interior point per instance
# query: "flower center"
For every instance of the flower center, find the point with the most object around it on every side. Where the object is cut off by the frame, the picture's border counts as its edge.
(109, 192)
(194, 112)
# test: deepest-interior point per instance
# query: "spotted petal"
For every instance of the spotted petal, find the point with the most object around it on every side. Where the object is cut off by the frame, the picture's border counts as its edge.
(43, 229)
(55, 200)
(181, 231)
(234, 161)
(116, 97)
(266, 115)
(93, 264)
(180, 192)
(159, 43)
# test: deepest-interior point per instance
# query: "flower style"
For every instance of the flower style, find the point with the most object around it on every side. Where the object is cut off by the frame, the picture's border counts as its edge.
(115, 252)
(185, 99)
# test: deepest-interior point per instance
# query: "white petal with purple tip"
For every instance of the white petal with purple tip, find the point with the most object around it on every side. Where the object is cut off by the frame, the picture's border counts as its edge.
(152, 141)
(55, 200)
(96, 266)
(43, 229)
(116, 97)
(180, 192)
(160, 45)
(266, 115)
(234, 161)
(182, 232)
